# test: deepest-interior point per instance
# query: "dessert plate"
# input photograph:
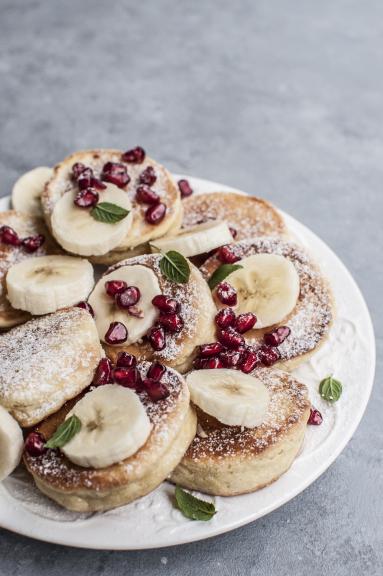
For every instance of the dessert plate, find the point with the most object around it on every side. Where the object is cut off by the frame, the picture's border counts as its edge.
(154, 521)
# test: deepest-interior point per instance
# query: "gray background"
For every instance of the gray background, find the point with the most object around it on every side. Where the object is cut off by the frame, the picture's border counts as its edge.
(283, 99)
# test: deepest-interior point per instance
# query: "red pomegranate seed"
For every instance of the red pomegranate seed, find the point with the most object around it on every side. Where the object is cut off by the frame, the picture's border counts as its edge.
(226, 255)
(148, 176)
(35, 444)
(233, 231)
(212, 349)
(230, 338)
(129, 297)
(185, 188)
(84, 181)
(103, 374)
(115, 173)
(250, 361)
(78, 168)
(157, 338)
(225, 318)
(9, 236)
(114, 287)
(268, 355)
(156, 371)
(315, 418)
(245, 322)
(145, 195)
(231, 358)
(126, 360)
(155, 214)
(128, 377)
(135, 311)
(86, 306)
(86, 198)
(166, 304)
(96, 183)
(171, 322)
(198, 363)
(33, 243)
(117, 333)
(276, 337)
(134, 156)
(156, 390)
(227, 294)
(213, 363)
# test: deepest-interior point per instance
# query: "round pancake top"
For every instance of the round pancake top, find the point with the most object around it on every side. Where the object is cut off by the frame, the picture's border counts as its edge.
(166, 417)
(248, 215)
(288, 403)
(312, 316)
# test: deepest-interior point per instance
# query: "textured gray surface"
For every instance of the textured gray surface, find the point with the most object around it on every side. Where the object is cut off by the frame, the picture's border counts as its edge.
(280, 99)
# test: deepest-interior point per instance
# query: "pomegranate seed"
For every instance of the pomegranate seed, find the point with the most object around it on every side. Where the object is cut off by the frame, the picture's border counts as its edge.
(103, 374)
(213, 363)
(230, 338)
(225, 318)
(148, 176)
(115, 173)
(33, 243)
(156, 390)
(128, 377)
(315, 418)
(126, 360)
(117, 333)
(250, 361)
(156, 371)
(157, 338)
(129, 297)
(210, 349)
(166, 304)
(85, 179)
(231, 358)
(86, 306)
(35, 444)
(114, 287)
(227, 294)
(268, 356)
(233, 231)
(9, 236)
(96, 183)
(185, 188)
(276, 337)
(199, 363)
(245, 322)
(171, 322)
(135, 312)
(145, 195)
(78, 168)
(86, 198)
(155, 214)
(226, 255)
(134, 156)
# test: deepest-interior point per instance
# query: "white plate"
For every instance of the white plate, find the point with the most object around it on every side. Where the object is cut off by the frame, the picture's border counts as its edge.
(153, 521)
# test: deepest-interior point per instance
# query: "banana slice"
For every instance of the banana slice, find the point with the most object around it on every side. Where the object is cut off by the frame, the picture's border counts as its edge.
(106, 310)
(28, 188)
(267, 285)
(196, 239)
(47, 283)
(114, 425)
(78, 232)
(11, 444)
(233, 398)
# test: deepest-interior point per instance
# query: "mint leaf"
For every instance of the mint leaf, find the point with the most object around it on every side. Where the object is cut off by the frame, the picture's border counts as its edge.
(221, 273)
(108, 212)
(175, 267)
(193, 507)
(64, 432)
(330, 389)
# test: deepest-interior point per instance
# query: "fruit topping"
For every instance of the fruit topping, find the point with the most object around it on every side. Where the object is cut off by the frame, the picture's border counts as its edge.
(126, 360)
(245, 322)
(129, 297)
(230, 338)
(115, 173)
(268, 355)
(35, 444)
(185, 188)
(157, 338)
(171, 322)
(226, 255)
(276, 337)
(9, 236)
(128, 377)
(86, 198)
(156, 213)
(227, 294)
(225, 318)
(145, 195)
(315, 418)
(250, 360)
(156, 371)
(103, 374)
(114, 287)
(231, 358)
(86, 306)
(134, 156)
(148, 176)
(166, 304)
(33, 243)
(156, 390)
(117, 333)
(212, 349)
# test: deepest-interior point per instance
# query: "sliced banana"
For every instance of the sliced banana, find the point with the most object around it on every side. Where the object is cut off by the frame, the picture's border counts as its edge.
(196, 239)
(11, 444)
(28, 188)
(106, 310)
(114, 425)
(233, 398)
(47, 283)
(77, 231)
(267, 285)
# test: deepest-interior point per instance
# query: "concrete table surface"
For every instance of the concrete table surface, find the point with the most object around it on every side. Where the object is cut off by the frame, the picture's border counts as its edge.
(282, 99)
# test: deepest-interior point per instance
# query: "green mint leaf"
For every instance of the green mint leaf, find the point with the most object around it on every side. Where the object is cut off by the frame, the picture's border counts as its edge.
(193, 507)
(221, 273)
(175, 267)
(108, 212)
(64, 432)
(330, 389)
